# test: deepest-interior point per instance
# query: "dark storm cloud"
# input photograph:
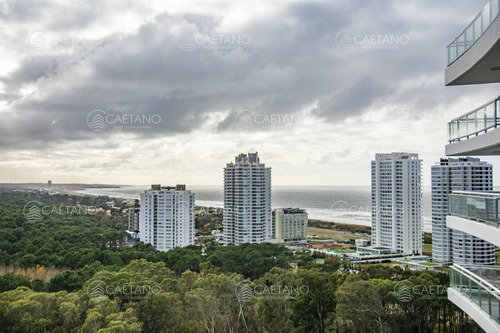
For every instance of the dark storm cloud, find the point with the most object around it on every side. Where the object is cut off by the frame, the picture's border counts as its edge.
(290, 63)
(352, 100)
(29, 71)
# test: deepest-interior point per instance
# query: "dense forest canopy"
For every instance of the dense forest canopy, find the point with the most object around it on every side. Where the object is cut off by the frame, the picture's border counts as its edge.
(101, 285)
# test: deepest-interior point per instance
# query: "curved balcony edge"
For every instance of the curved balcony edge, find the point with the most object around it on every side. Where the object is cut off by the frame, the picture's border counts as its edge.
(484, 144)
(479, 229)
(473, 310)
(480, 63)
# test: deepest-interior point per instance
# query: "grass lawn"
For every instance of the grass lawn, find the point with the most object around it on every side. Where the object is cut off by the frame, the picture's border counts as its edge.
(428, 264)
(427, 250)
(329, 234)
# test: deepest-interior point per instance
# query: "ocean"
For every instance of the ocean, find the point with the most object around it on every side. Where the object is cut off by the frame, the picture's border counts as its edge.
(343, 204)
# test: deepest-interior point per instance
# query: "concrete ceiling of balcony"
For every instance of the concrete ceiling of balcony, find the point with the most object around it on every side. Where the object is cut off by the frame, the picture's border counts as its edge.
(480, 63)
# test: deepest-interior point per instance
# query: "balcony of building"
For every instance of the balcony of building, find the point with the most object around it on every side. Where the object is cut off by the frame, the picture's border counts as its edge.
(475, 213)
(474, 56)
(475, 290)
(476, 132)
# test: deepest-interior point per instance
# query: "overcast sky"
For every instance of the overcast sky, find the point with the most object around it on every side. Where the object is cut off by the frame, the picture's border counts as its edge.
(168, 92)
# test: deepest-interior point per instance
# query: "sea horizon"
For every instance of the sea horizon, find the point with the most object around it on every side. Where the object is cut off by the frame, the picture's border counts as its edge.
(332, 203)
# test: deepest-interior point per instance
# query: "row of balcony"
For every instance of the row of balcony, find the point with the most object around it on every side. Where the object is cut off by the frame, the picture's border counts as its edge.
(472, 58)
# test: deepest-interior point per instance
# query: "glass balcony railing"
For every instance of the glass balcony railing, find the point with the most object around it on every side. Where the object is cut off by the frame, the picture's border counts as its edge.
(475, 122)
(475, 30)
(480, 284)
(478, 206)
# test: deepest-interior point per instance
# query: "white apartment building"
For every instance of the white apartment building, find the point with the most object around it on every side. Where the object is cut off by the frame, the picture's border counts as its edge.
(166, 218)
(396, 202)
(458, 174)
(247, 201)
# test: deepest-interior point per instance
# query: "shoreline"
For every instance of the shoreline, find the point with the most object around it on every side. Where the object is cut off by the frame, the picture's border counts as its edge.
(314, 220)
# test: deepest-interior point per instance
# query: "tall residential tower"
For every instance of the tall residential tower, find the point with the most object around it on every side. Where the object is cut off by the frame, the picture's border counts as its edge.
(166, 218)
(396, 202)
(247, 201)
(458, 174)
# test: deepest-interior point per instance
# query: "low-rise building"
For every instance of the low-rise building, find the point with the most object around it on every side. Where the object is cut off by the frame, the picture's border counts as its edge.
(289, 225)
(362, 242)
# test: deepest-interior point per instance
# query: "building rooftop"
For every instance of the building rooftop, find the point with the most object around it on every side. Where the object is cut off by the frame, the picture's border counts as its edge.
(246, 159)
(396, 155)
(292, 210)
(178, 187)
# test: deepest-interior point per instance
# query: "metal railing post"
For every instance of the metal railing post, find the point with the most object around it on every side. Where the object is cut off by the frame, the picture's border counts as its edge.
(489, 304)
(496, 210)
(496, 109)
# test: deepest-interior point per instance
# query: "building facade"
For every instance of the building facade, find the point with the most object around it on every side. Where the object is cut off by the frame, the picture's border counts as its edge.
(289, 225)
(396, 202)
(166, 218)
(474, 58)
(247, 201)
(133, 219)
(458, 174)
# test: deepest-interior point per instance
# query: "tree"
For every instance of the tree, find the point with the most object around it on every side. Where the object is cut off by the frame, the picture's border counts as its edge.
(160, 312)
(11, 281)
(213, 306)
(180, 260)
(360, 303)
(274, 309)
(332, 264)
(99, 310)
(314, 307)
(23, 310)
